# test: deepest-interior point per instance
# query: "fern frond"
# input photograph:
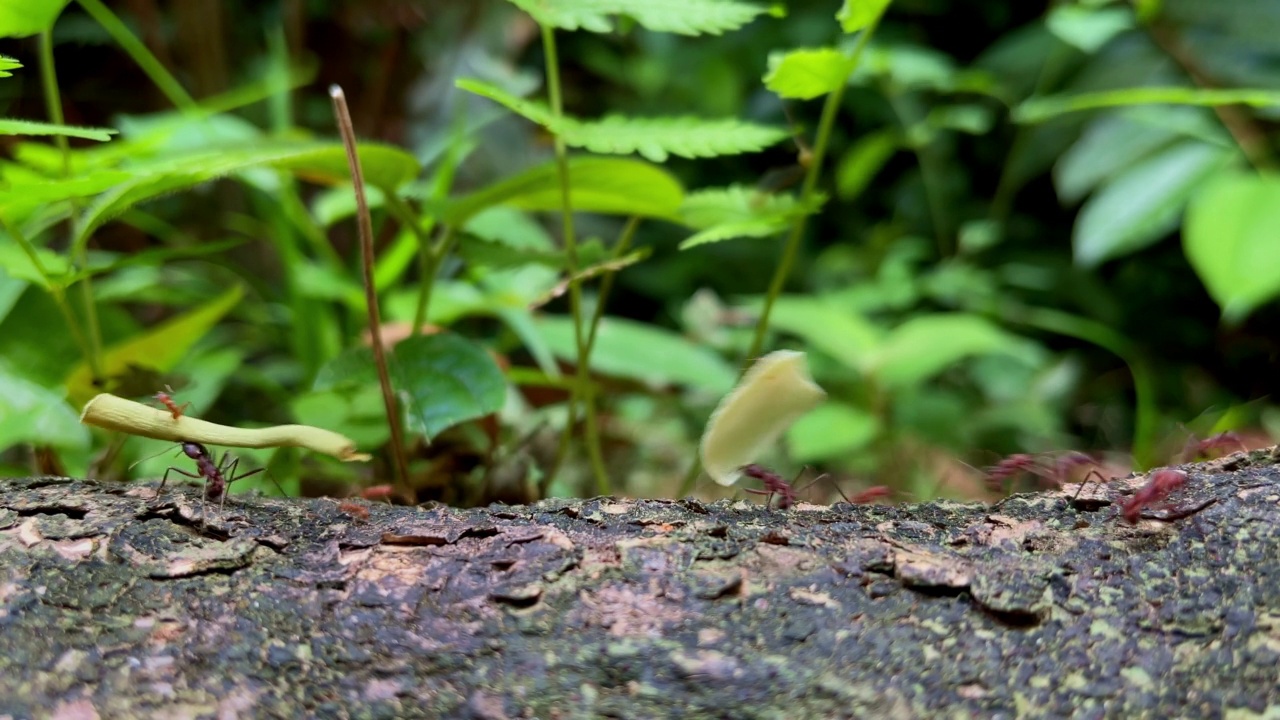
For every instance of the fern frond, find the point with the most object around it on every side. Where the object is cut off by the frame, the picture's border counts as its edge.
(685, 17)
(738, 211)
(653, 138)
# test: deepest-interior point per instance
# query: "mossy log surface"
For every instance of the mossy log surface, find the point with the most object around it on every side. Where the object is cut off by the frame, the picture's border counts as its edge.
(115, 603)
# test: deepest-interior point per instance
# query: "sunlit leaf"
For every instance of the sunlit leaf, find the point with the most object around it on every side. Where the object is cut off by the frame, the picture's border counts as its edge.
(686, 17)
(738, 211)
(615, 186)
(855, 15)
(653, 138)
(6, 64)
(20, 18)
(1142, 204)
(1232, 238)
(159, 348)
(9, 126)
(807, 74)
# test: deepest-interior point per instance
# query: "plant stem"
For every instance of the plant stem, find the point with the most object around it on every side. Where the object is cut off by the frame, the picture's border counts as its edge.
(620, 248)
(138, 51)
(365, 225)
(571, 256)
(930, 172)
(53, 102)
(429, 267)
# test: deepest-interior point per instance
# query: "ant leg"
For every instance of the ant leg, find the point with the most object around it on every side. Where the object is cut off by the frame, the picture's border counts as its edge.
(165, 478)
(1086, 482)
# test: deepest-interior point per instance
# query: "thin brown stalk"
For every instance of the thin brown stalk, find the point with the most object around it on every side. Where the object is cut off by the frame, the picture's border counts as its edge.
(365, 224)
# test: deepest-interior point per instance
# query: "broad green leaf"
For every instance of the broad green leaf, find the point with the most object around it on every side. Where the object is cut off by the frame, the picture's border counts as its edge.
(1232, 238)
(857, 15)
(6, 64)
(1143, 204)
(9, 126)
(615, 186)
(30, 413)
(969, 118)
(497, 254)
(840, 332)
(23, 196)
(1108, 146)
(861, 163)
(16, 263)
(1040, 109)
(829, 431)
(1088, 28)
(686, 17)
(159, 348)
(653, 138)
(928, 344)
(807, 74)
(20, 18)
(441, 379)
(384, 166)
(642, 352)
(738, 211)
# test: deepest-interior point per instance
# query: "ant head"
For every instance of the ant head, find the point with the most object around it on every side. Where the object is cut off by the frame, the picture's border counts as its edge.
(194, 450)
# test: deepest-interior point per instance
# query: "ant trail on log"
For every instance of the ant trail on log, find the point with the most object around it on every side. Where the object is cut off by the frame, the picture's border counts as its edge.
(1162, 482)
(774, 484)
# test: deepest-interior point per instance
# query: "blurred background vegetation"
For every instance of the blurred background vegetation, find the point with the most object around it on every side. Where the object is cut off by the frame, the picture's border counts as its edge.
(995, 270)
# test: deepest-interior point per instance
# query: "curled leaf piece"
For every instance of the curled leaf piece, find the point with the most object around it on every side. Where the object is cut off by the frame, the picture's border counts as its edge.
(772, 395)
(116, 413)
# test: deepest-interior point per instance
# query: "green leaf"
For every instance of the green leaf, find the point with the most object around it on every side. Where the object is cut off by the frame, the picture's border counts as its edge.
(686, 17)
(1040, 109)
(738, 211)
(861, 163)
(20, 18)
(829, 431)
(442, 379)
(30, 413)
(840, 332)
(613, 186)
(1088, 28)
(649, 354)
(653, 138)
(928, 344)
(6, 64)
(1109, 145)
(1143, 204)
(159, 348)
(857, 15)
(16, 263)
(1232, 238)
(807, 74)
(9, 126)
(384, 167)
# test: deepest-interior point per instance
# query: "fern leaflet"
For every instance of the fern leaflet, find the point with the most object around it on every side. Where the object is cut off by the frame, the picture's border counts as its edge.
(685, 17)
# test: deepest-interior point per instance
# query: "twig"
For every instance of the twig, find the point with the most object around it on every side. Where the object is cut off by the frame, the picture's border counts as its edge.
(365, 225)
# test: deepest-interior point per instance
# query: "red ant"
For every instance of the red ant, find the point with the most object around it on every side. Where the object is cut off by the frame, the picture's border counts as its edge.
(1195, 449)
(773, 483)
(166, 399)
(377, 492)
(216, 476)
(1158, 487)
(870, 495)
(1052, 473)
(354, 509)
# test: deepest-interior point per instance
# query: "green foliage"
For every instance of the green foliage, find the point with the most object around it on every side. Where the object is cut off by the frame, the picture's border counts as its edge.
(1231, 239)
(6, 64)
(30, 413)
(807, 74)
(686, 17)
(20, 18)
(1040, 109)
(856, 15)
(739, 212)
(30, 127)
(441, 380)
(653, 138)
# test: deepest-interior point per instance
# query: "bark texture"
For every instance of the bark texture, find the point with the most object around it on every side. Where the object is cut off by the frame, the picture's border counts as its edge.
(115, 603)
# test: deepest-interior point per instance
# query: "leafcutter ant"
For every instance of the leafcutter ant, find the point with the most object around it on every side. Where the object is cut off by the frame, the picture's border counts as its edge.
(788, 495)
(1211, 446)
(1052, 472)
(377, 492)
(1161, 483)
(354, 509)
(166, 398)
(870, 495)
(216, 476)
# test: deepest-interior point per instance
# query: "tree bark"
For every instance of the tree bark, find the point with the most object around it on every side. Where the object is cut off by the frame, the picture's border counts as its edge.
(115, 603)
